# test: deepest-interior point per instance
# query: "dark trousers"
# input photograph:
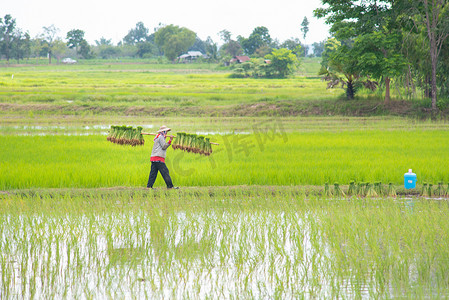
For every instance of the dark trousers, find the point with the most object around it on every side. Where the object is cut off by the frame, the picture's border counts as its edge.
(159, 167)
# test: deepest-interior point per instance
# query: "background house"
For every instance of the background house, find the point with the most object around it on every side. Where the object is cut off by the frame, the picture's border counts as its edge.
(239, 59)
(190, 56)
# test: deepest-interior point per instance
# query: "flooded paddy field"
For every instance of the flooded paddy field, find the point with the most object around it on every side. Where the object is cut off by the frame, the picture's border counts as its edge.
(230, 242)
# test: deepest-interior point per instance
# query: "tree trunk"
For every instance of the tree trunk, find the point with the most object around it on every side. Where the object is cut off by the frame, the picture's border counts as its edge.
(387, 90)
(434, 82)
(350, 90)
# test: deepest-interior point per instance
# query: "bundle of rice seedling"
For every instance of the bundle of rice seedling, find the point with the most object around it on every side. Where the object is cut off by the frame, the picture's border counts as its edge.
(361, 189)
(352, 190)
(338, 191)
(192, 143)
(391, 190)
(370, 192)
(440, 190)
(207, 147)
(126, 135)
(446, 194)
(378, 188)
(424, 189)
(327, 191)
(429, 190)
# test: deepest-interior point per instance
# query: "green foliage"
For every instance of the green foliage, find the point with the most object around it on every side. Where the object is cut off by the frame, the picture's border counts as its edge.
(173, 40)
(231, 48)
(74, 38)
(282, 63)
(7, 28)
(305, 27)
(278, 64)
(137, 35)
(258, 38)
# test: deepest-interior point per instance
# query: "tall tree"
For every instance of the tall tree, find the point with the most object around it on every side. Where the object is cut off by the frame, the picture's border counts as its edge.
(294, 45)
(434, 15)
(59, 49)
(341, 59)
(74, 38)
(84, 50)
(231, 48)
(37, 44)
(103, 42)
(360, 21)
(20, 45)
(225, 36)
(258, 38)
(305, 27)
(174, 40)
(211, 49)
(7, 27)
(318, 48)
(49, 36)
(137, 35)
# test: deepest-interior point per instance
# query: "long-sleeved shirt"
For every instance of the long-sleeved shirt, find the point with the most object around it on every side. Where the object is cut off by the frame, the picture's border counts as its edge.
(159, 149)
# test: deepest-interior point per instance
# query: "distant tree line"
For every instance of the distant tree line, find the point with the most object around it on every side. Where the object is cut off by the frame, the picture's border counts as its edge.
(396, 44)
(166, 40)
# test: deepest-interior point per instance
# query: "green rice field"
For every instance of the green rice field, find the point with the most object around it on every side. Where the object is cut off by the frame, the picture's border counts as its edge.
(270, 157)
(251, 221)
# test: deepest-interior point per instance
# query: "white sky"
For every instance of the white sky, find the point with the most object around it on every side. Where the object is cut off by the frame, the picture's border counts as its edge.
(113, 20)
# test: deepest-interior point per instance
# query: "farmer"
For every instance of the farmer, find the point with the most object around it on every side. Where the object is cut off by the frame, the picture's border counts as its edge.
(158, 158)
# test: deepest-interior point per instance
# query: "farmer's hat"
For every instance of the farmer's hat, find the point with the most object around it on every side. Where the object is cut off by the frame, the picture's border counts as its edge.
(163, 128)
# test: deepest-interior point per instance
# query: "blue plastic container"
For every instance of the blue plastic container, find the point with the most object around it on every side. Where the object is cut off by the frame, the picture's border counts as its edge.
(410, 180)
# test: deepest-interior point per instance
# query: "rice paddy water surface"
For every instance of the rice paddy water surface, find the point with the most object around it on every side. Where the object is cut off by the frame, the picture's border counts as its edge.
(221, 243)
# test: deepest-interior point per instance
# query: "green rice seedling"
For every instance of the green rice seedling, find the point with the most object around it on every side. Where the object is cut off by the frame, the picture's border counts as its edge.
(446, 194)
(126, 135)
(439, 190)
(391, 190)
(424, 189)
(429, 190)
(176, 141)
(201, 145)
(208, 146)
(361, 189)
(338, 191)
(378, 188)
(327, 191)
(370, 192)
(352, 190)
(192, 143)
(140, 136)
